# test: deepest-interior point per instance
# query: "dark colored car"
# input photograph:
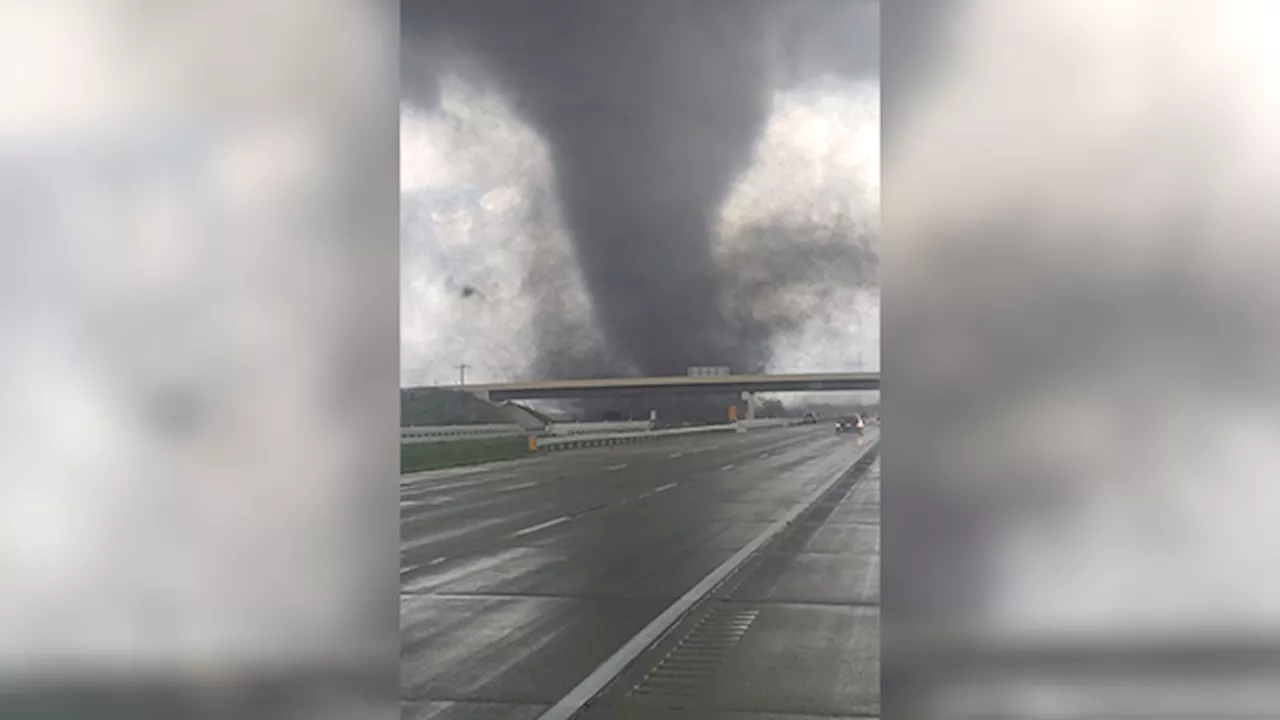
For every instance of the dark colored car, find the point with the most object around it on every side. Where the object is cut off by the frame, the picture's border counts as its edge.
(810, 419)
(850, 423)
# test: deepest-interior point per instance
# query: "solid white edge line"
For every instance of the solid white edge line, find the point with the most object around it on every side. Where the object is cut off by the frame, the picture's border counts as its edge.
(585, 691)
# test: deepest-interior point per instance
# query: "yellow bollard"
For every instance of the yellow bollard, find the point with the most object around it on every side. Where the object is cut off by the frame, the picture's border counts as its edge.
(533, 443)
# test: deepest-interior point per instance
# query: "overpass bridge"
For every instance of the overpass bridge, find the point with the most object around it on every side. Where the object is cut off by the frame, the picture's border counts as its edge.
(675, 385)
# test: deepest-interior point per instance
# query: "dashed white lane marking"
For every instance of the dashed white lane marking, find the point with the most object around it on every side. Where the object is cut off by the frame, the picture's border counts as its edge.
(655, 491)
(763, 455)
(542, 526)
(676, 454)
(425, 503)
(619, 466)
(437, 561)
(520, 486)
(408, 569)
(727, 467)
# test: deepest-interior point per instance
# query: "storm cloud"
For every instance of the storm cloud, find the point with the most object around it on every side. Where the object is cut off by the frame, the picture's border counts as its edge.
(650, 111)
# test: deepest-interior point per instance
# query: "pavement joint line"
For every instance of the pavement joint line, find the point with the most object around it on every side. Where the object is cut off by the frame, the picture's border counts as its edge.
(542, 526)
(591, 686)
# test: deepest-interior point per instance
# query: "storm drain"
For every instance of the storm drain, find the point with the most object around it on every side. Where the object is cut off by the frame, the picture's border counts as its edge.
(690, 664)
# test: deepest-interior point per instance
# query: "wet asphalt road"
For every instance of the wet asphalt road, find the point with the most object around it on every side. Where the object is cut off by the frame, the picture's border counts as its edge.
(519, 579)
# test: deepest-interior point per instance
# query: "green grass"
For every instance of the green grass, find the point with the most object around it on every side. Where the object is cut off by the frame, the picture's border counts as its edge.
(433, 456)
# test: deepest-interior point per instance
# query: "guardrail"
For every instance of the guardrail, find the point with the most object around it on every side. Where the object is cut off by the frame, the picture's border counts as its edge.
(585, 434)
(760, 423)
(445, 433)
(582, 441)
(617, 438)
(599, 428)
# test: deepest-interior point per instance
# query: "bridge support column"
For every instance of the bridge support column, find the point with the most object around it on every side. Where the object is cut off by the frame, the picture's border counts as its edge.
(750, 399)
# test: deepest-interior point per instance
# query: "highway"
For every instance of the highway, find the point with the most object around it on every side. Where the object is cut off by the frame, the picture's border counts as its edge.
(521, 582)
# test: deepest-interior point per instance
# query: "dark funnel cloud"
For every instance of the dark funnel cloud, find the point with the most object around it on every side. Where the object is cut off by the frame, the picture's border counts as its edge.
(650, 108)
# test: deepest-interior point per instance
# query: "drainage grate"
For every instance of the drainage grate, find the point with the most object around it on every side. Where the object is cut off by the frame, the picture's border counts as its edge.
(690, 664)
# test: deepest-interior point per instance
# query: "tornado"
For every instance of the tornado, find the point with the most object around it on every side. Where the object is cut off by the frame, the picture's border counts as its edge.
(651, 109)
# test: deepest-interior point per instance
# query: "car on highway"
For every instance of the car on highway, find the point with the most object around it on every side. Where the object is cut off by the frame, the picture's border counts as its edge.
(810, 419)
(850, 423)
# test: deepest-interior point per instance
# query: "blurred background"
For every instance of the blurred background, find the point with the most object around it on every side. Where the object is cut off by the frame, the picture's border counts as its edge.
(198, 376)
(1080, 369)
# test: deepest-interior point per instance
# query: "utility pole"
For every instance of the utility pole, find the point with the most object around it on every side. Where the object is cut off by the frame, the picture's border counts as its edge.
(462, 374)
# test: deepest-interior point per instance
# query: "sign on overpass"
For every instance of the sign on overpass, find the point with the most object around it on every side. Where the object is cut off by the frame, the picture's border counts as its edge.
(676, 385)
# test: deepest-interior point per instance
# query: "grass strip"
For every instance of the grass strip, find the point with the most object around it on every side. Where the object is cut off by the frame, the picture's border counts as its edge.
(416, 457)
